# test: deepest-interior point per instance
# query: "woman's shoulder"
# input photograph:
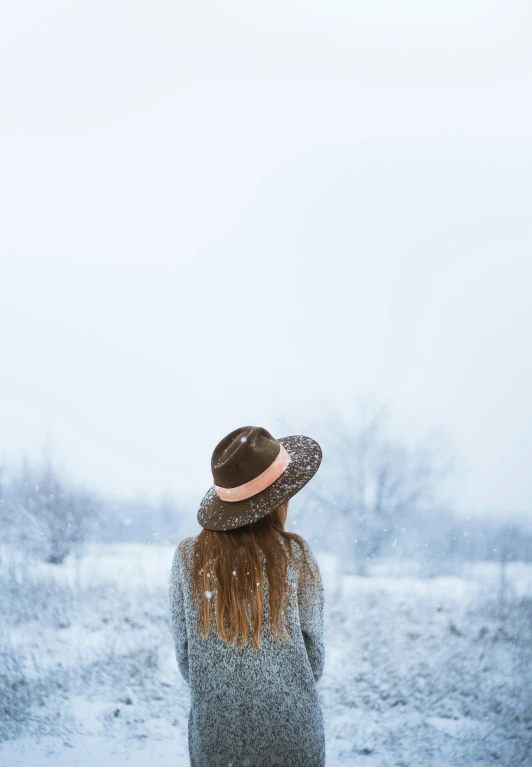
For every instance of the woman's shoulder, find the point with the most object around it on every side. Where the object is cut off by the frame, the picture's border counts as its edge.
(186, 542)
(183, 551)
(302, 549)
(298, 543)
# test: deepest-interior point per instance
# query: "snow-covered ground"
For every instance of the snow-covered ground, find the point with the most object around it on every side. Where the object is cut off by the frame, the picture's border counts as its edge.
(418, 671)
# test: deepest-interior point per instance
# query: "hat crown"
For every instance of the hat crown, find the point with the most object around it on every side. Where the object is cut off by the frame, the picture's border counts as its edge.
(242, 455)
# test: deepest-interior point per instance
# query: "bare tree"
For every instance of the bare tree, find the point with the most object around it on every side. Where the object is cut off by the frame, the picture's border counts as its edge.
(378, 485)
(44, 515)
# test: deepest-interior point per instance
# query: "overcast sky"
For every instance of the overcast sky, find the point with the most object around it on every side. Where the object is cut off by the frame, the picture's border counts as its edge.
(222, 214)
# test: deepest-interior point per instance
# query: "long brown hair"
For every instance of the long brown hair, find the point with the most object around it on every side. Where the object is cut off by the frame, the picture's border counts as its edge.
(228, 568)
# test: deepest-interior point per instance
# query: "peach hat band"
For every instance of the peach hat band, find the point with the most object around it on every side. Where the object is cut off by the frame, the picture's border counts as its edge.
(254, 486)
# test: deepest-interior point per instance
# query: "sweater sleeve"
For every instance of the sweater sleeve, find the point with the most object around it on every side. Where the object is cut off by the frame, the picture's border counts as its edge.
(311, 608)
(177, 615)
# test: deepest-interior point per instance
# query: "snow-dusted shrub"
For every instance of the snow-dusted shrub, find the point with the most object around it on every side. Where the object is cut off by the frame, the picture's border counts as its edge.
(16, 694)
(44, 515)
(28, 595)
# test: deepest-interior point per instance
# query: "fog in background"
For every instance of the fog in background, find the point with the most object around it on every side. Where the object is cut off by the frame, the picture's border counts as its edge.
(224, 214)
(312, 216)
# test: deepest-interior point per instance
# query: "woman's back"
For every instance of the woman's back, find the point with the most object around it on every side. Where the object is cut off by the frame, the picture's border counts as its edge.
(250, 703)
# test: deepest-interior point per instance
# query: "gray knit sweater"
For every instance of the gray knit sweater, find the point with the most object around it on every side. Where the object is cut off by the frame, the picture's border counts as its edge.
(252, 707)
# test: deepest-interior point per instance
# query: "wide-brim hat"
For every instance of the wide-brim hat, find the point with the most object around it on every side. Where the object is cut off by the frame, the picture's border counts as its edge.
(253, 474)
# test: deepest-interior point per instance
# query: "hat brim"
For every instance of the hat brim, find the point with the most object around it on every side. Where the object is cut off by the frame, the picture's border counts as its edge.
(306, 455)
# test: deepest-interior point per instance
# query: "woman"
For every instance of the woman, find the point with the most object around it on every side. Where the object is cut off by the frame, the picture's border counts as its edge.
(247, 604)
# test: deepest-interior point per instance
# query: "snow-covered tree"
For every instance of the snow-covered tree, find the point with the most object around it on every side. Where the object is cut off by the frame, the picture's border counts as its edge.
(43, 514)
(378, 489)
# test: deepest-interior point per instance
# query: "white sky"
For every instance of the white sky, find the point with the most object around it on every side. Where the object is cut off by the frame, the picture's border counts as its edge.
(226, 213)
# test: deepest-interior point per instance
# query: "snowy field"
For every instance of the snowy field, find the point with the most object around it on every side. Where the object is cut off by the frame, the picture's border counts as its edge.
(418, 671)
